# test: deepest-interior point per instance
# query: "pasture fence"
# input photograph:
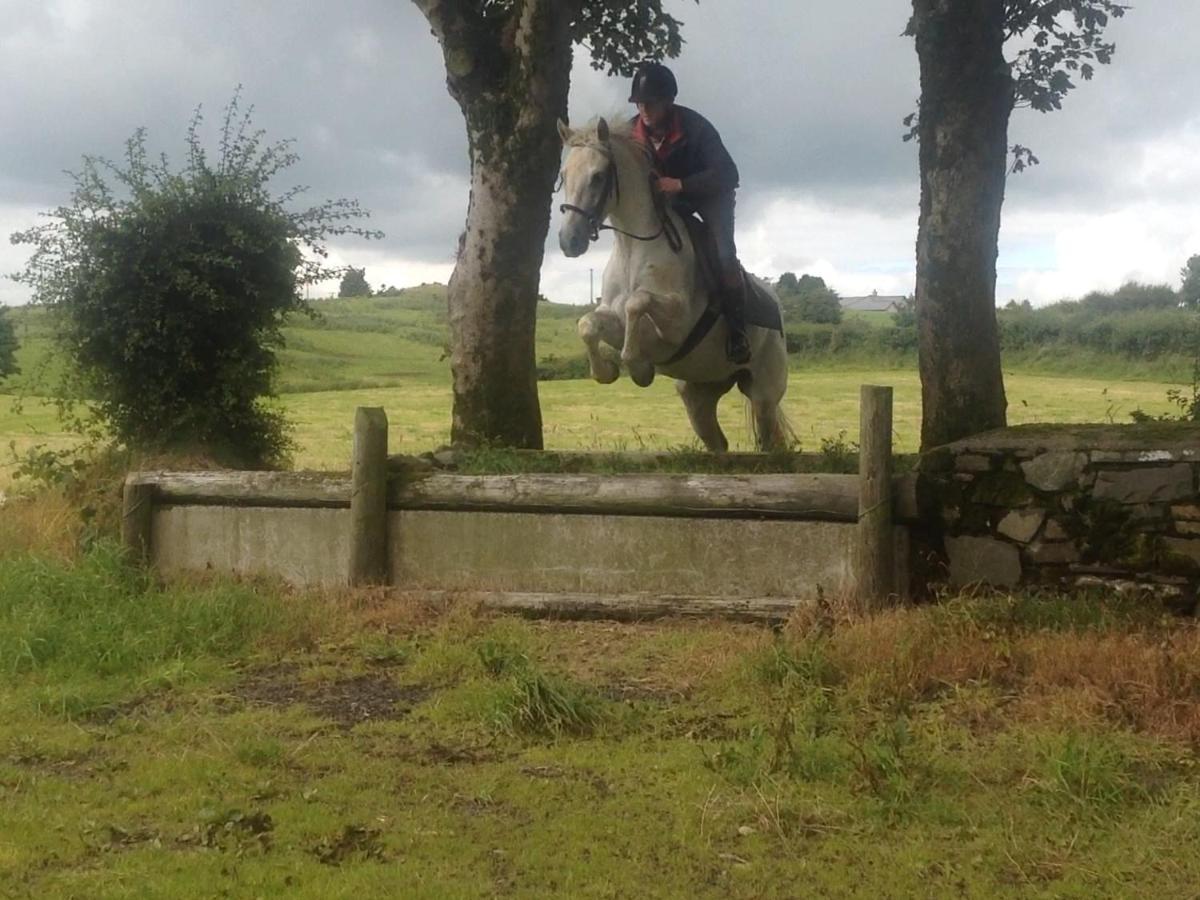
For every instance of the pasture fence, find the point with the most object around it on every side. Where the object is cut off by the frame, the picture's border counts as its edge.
(748, 546)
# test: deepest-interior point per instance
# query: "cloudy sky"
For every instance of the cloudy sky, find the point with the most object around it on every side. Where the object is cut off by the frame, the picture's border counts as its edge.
(808, 96)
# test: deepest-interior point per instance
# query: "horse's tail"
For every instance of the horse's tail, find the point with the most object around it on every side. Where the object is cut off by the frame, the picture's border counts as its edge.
(784, 438)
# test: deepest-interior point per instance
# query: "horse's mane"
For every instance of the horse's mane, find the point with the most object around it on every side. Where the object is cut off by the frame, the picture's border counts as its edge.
(620, 138)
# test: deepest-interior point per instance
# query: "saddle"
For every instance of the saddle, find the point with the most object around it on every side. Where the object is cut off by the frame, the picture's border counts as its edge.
(761, 308)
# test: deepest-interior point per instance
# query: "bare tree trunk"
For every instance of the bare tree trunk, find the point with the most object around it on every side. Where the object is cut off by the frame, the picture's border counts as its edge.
(966, 100)
(510, 76)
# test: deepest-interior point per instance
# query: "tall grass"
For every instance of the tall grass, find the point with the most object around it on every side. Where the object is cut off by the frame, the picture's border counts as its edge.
(102, 618)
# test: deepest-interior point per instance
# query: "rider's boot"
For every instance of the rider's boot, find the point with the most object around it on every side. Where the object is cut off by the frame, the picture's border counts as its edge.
(737, 345)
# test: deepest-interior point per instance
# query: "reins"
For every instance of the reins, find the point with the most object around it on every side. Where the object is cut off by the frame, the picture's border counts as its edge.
(612, 185)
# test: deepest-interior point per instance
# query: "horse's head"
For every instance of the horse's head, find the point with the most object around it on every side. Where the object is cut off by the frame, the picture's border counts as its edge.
(588, 178)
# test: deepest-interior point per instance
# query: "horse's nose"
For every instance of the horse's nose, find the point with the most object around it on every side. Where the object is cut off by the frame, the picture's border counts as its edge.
(572, 244)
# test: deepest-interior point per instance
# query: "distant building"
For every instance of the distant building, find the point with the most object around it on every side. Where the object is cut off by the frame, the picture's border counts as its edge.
(873, 303)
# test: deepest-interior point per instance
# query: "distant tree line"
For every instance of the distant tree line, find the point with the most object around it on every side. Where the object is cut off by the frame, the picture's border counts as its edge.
(354, 284)
(808, 299)
(1136, 321)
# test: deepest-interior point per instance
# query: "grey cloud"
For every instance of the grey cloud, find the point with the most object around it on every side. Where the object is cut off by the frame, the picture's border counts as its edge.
(809, 97)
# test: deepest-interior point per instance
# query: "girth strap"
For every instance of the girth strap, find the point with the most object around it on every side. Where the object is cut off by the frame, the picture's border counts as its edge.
(699, 331)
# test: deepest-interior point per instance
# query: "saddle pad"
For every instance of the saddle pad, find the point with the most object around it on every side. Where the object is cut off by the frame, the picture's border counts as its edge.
(761, 308)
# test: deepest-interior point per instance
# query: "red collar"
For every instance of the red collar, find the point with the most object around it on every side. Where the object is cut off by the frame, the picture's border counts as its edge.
(673, 136)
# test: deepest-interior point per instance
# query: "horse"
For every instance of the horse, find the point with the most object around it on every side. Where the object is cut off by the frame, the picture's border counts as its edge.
(655, 307)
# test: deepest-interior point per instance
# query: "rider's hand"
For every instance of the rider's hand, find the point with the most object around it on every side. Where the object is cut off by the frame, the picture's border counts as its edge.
(669, 185)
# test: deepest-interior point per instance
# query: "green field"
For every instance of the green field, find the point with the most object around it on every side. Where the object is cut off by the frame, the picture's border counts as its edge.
(389, 352)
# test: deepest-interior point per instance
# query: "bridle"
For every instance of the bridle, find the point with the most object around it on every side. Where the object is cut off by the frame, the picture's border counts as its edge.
(612, 186)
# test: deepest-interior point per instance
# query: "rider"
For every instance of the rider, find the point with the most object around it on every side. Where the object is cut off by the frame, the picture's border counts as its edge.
(698, 175)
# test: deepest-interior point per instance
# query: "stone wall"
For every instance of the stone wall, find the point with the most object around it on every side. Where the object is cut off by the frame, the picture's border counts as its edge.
(1079, 506)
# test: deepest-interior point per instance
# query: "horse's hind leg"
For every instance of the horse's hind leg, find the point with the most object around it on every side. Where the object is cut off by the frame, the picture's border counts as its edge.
(700, 400)
(602, 324)
(764, 387)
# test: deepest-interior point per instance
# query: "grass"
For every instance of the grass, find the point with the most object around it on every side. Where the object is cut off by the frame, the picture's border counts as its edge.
(389, 352)
(256, 742)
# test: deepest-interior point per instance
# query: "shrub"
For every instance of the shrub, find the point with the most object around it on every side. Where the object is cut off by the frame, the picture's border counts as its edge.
(808, 299)
(354, 284)
(171, 288)
(563, 368)
(1132, 296)
(8, 346)
(811, 338)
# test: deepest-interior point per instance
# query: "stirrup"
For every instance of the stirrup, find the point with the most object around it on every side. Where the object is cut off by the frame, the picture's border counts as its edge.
(737, 348)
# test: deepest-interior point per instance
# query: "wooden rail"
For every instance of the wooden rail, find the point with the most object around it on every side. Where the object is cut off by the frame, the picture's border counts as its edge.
(828, 498)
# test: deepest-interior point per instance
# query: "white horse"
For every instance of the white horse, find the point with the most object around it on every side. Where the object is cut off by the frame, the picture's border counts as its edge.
(655, 306)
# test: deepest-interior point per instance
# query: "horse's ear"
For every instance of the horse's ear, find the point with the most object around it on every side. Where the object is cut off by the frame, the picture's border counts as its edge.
(602, 131)
(564, 131)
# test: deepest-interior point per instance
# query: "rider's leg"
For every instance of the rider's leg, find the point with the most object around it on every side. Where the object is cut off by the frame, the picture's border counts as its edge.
(717, 212)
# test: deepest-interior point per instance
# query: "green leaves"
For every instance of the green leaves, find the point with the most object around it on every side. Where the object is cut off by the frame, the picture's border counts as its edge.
(1189, 291)
(1066, 37)
(8, 346)
(620, 35)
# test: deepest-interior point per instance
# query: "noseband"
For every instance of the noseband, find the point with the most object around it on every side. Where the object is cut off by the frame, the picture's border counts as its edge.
(595, 217)
(612, 185)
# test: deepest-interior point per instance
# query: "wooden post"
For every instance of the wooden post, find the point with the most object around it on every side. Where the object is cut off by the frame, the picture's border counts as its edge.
(137, 510)
(368, 498)
(876, 553)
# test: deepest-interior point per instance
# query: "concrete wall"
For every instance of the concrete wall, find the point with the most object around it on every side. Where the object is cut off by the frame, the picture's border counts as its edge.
(479, 551)
(301, 546)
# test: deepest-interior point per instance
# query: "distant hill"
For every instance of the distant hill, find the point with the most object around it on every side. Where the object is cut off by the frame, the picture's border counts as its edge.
(350, 343)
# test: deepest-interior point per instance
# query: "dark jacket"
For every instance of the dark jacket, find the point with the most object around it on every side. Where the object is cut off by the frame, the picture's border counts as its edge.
(693, 153)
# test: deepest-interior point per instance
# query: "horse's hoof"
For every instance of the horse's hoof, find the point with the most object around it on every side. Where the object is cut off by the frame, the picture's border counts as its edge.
(606, 371)
(642, 373)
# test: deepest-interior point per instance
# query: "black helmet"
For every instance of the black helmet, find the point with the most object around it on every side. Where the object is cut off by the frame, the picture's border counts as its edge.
(653, 81)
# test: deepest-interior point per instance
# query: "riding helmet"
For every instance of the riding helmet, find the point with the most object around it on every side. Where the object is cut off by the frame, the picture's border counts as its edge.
(653, 81)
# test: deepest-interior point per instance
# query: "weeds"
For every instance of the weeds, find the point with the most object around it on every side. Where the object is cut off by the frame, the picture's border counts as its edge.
(104, 617)
(531, 702)
(1088, 770)
(541, 705)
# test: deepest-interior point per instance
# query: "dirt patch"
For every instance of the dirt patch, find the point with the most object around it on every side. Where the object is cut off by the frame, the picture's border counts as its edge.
(346, 701)
(444, 754)
(644, 692)
(70, 767)
(712, 727)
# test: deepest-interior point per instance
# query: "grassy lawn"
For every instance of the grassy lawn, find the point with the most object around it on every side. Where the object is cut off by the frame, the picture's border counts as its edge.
(390, 352)
(621, 416)
(585, 415)
(237, 740)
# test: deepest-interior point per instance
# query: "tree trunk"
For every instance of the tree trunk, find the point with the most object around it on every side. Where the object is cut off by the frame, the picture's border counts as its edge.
(510, 76)
(966, 100)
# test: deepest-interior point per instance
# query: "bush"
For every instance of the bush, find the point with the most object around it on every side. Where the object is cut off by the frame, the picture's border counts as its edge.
(171, 289)
(808, 299)
(1132, 296)
(8, 346)
(809, 338)
(354, 284)
(563, 368)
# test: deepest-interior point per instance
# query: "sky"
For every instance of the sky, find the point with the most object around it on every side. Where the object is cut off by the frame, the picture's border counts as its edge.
(808, 96)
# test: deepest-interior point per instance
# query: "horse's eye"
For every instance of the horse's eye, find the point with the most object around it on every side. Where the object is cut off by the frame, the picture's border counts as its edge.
(597, 177)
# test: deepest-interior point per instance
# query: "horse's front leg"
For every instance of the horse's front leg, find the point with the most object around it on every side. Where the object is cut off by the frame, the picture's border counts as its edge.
(650, 323)
(602, 324)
